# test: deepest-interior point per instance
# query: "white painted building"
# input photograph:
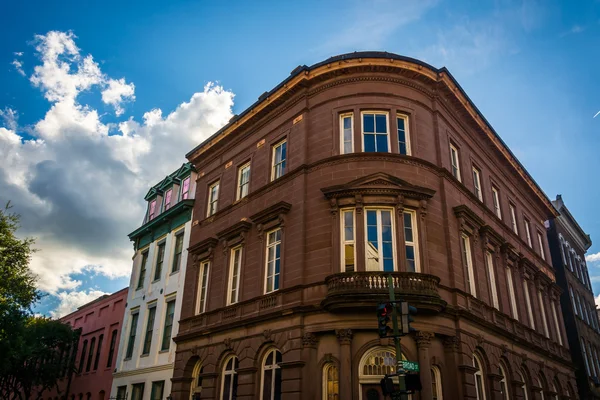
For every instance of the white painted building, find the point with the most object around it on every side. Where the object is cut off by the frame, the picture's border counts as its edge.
(146, 355)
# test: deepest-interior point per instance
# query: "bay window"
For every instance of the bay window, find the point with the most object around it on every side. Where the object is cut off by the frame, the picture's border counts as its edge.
(375, 132)
(403, 138)
(379, 247)
(348, 241)
(347, 133)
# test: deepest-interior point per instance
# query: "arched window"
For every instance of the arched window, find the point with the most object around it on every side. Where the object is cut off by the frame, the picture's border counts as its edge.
(196, 385)
(436, 383)
(554, 388)
(503, 385)
(331, 382)
(524, 388)
(479, 378)
(271, 376)
(540, 385)
(229, 379)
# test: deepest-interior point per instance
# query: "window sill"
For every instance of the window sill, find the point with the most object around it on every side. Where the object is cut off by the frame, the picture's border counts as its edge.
(154, 281)
(163, 351)
(144, 355)
(174, 272)
(139, 288)
(127, 359)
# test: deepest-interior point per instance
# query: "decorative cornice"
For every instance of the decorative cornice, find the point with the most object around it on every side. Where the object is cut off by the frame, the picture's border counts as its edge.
(203, 249)
(271, 213)
(378, 183)
(142, 371)
(468, 216)
(235, 230)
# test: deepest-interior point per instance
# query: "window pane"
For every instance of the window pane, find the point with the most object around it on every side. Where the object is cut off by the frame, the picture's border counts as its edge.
(380, 123)
(403, 148)
(369, 123)
(408, 232)
(227, 387)
(268, 374)
(369, 143)
(410, 258)
(349, 226)
(382, 143)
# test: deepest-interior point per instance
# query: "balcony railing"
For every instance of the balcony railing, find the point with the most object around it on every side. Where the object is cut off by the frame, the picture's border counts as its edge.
(348, 290)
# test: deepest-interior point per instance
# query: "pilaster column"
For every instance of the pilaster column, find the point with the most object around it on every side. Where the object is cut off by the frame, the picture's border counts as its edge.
(209, 386)
(310, 374)
(345, 338)
(423, 341)
(451, 383)
(246, 379)
(180, 388)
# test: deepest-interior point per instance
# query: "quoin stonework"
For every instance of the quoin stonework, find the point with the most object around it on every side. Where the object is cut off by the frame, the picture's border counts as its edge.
(362, 166)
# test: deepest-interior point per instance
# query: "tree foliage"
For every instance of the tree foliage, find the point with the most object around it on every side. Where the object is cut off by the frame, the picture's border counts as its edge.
(35, 352)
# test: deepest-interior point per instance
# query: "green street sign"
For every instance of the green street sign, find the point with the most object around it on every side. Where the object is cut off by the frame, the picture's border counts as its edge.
(410, 366)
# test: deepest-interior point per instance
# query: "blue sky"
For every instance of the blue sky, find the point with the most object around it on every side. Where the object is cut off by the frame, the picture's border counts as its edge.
(71, 138)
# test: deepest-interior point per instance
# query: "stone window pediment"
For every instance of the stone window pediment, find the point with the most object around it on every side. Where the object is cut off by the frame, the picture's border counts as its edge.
(271, 217)
(378, 184)
(203, 250)
(235, 234)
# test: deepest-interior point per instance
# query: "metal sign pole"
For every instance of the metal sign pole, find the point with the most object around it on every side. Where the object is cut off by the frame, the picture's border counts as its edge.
(399, 365)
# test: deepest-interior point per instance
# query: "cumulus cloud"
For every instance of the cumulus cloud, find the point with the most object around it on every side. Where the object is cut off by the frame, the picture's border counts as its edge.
(80, 189)
(70, 301)
(18, 64)
(593, 257)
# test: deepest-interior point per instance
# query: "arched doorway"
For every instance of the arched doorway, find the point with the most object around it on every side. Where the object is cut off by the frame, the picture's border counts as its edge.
(374, 364)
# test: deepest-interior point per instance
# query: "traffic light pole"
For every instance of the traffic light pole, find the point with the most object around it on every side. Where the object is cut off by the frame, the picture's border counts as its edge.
(399, 365)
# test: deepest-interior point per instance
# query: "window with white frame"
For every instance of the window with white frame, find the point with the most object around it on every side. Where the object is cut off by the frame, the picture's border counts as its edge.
(503, 385)
(142, 276)
(202, 286)
(539, 384)
(496, 201)
(411, 249)
(479, 378)
(543, 311)
(168, 328)
(524, 388)
(235, 266)
(270, 387)
(403, 136)
(348, 241)
(436, 383)
(591, 356)
(553, 389)
(243, 186)
(455, 161)
(273, 260)
(185, 188)
(160, 258)
(468, 263)
(528, 303)
(132, 333)
(578, 300)
(229, 379)
(375, 132)
(178, 251)
(279, 160)
(149, 329)
(347, 133)
(556, 323)
(541, 245)
(511, 293)
(528, 232)
(477, 183)
(489, 260)
(213, 199)
(151, 210)
(331, 382)
(379, 245)
(168, 196)
(513, 218)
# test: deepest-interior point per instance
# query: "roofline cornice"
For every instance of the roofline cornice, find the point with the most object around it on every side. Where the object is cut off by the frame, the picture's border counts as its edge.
(303, 74)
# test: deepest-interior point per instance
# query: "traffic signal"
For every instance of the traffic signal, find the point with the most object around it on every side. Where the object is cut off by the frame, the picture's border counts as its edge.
(413, 382)
(384, 312)
(387, 386)
(407, 311)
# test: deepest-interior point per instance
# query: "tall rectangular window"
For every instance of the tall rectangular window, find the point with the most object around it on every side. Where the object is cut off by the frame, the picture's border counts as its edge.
(83, 353)
(543, 311)
(243, 186)
(169, 319)
(347, 133)
(511, 293)
(279, 157)
(556, 323)
(455, 161)
(178, 251)
(528, 232)
(273, 260)
(477, 183)
(513, 218)
(375, 132)
(160, 258)
(142, 275)
(348, 241)
(403, 137)
(98, 351)
(489, 260)
(132, 332)
(157, 390)
(185, 188)
(122, 393)
(137, 391)
(573, 300)
(213, 199)
(496, 201)
(380, 243)
(203, 286)
(541, 244)
(468, 262)
(235, 265)
(528, 304)
(410, 242)
(585, 357)
(151, 210)
(111, 349)
(91, 355)
(168, 196)
(149, 330)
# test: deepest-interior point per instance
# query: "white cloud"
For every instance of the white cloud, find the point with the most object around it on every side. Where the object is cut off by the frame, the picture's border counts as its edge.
(593, 257)
(18, 66)
(117, 92)
(597, 301)
(70, 301)
(80, 190)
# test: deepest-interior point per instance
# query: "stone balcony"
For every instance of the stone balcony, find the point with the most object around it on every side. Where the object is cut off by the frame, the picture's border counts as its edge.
(348, 291)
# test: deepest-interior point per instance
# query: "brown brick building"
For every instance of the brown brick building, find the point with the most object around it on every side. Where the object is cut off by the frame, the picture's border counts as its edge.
(360, 166)
(569, 243)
